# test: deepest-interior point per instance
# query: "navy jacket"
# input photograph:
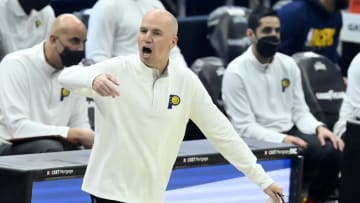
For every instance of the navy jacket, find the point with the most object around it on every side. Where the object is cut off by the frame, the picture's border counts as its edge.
(307, 26)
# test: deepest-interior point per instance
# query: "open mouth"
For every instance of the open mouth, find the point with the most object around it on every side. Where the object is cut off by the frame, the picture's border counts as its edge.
(147, 50)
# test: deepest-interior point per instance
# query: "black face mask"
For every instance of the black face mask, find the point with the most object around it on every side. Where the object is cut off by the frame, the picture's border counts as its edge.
(267, 46)
(341, 4)
(36, 4)
(70, 57)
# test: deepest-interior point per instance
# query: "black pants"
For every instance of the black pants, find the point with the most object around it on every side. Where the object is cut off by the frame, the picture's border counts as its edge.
(350, 169)
(95, 199)
(322, 163)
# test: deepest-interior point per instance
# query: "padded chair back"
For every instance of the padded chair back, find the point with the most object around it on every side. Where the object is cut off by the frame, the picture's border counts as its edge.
(227, 31)
(323, 85)
(210, 71)
(192, 31)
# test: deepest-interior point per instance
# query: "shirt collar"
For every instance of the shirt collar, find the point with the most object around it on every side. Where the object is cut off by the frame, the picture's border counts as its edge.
(45, 67)
(151, 73)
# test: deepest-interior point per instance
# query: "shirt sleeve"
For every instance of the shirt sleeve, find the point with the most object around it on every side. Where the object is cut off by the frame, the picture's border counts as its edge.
(14, 103)
(218, 130)
(101, 31)
(238, 108)
(353, 87)
(345, 114)
(79, 117)
(302, 116)
(80, 79)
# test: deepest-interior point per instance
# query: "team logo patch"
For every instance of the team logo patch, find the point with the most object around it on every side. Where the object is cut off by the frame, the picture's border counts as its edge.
(38, 23)
(285, 83)
(174, 100)
(64, 93)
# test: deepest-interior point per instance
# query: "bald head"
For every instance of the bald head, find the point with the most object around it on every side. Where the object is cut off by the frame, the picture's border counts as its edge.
(66, 43)
(166, 17)
(67, 23)
(157, 36)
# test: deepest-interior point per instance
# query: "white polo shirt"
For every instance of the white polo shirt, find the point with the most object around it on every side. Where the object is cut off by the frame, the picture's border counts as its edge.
(19, 30)
(138, 134)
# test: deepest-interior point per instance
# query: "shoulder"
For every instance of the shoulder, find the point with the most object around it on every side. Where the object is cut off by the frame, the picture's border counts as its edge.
(286, 63)
(14, 63)
(110, 4)
(284, 57)
(295, 7)
(48, 11)
(238, 64)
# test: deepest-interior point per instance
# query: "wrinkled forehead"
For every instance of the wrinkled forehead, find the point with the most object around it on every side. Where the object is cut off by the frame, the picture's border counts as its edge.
(158, 21)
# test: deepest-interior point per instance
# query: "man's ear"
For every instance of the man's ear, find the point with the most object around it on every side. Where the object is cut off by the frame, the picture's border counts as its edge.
(251, 35)
(52, 38)
(174, 41)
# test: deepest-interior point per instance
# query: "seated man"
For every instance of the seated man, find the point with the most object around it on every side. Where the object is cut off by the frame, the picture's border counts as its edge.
(264, 99)
(32, 102)
(24, 23)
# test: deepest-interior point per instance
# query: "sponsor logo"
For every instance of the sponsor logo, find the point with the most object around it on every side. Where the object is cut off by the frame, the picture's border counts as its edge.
(319, 66)
(330, 95)
(291, 151)
(196, 159)
(57, 172)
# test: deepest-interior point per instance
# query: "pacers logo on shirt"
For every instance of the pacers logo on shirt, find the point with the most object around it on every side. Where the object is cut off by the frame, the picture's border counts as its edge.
(285, 83)
(174, 100)
(38, 23)
(64, 93)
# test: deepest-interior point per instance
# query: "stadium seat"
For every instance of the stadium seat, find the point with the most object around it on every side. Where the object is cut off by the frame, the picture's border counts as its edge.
(210, 71)
(227, 27)
(323, 85)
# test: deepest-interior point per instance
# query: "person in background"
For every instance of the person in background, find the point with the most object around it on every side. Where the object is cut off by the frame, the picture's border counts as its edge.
(312, 25)
(24, 23)
(264, 100)
(33, 105)
(144, 102)
(113, 27)
(349, 127)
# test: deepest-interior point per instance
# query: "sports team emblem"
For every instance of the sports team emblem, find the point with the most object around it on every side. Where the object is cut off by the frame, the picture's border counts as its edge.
(174, 100)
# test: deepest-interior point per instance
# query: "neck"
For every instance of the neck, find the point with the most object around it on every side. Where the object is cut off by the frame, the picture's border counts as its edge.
(260, 58)
(49, 56)
(162, 68)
